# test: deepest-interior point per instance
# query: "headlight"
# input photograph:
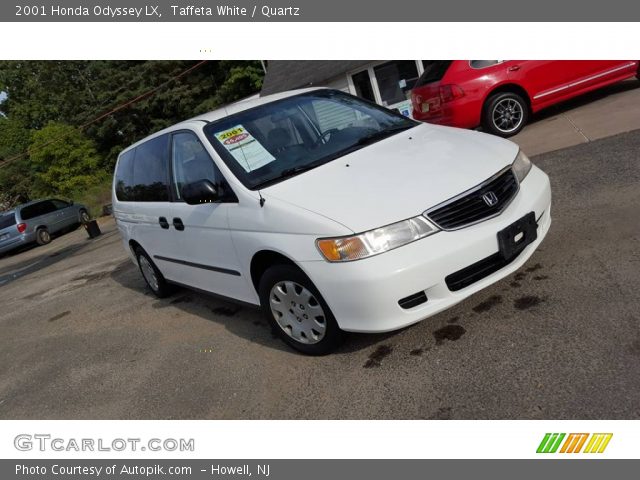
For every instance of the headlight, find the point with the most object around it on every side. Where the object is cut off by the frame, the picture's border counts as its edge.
(373, 242)
(521, 166)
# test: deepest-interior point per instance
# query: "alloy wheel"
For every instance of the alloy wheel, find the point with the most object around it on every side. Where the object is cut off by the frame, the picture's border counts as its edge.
(507, 115)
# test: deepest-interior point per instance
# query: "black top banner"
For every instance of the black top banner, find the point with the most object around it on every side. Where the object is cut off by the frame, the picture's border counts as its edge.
(320, 11)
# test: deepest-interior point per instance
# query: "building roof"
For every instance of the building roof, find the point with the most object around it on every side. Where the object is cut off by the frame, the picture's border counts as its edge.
(291, 74)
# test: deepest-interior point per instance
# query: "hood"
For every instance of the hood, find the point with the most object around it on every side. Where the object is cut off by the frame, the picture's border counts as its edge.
(398, 177)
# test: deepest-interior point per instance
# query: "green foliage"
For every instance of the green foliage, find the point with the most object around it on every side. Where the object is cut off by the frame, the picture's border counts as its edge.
(47, 100)
(15, 180)
(63, 160)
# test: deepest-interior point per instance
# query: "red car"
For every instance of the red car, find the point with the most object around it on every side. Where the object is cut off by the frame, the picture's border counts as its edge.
(500, 95)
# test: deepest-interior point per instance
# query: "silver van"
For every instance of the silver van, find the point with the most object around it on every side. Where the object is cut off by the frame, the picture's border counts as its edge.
(36, 221)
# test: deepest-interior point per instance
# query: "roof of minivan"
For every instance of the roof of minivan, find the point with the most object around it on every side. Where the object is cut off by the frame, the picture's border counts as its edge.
(226, 111)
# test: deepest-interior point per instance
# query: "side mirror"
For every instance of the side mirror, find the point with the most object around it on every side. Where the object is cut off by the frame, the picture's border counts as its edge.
(70, 202)
(202, 191)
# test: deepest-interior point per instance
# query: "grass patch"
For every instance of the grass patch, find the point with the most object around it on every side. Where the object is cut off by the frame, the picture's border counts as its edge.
(95, 196)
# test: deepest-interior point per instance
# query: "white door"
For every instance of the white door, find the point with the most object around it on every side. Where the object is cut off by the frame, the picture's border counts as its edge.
(142, 188)
(204, 255)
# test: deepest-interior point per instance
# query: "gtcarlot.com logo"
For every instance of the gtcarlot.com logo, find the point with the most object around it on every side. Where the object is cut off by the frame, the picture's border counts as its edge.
(44, 442)
(574, 443)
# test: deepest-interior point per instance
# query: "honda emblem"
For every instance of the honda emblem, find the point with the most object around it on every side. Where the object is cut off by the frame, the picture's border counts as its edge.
(490, 198)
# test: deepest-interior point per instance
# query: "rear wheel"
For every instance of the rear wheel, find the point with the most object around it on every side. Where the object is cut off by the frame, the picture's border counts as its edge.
(152, 276)
(84, 217)
(505, 114)
(297, 311)
(43, 236)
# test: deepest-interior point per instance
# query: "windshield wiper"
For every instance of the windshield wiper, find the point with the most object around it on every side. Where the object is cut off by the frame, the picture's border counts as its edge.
(379, 135)
(287, 173)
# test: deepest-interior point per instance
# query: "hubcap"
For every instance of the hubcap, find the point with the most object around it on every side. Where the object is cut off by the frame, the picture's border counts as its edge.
(297, 312)
(148, 273)
(85, 217)
(507, 115)
(44, 236)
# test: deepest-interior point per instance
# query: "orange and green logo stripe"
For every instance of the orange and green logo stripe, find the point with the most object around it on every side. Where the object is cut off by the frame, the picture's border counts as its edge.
(574, 443)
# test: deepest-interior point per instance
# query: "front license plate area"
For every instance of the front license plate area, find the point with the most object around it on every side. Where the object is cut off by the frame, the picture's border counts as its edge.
(514, 238)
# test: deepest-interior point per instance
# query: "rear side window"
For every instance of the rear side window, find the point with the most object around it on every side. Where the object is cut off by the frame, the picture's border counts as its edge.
(124, 176)
(37, 209)
(434, 70)
(7, 220)
(483, 63)
(142, 174)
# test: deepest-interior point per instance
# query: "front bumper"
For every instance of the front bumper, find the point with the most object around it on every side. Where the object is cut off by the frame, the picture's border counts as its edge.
(363, 295)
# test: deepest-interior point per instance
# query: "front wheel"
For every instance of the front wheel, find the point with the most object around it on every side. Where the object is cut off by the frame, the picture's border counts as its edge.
(297, 311)
(505, 114)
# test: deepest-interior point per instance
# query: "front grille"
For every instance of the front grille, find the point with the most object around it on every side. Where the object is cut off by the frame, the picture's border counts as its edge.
(471, 207)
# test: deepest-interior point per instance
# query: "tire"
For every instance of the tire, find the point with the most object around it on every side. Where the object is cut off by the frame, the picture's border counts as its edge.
(152, 276)
(84, 217)
(43, 237)
(505, 114)
(308, 324)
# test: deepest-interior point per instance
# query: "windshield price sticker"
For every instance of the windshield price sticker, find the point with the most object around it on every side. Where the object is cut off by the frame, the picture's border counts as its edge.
(244, 148)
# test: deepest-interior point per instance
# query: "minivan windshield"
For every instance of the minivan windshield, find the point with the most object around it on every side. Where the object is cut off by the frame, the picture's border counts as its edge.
(269, 143)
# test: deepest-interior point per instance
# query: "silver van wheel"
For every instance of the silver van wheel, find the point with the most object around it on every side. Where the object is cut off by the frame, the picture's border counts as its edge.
(84, 217)
(297, 312)
(43, 236)
(148, 273)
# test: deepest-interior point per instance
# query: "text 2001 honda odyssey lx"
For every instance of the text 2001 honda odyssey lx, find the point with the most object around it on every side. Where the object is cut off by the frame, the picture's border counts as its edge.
(331, 213)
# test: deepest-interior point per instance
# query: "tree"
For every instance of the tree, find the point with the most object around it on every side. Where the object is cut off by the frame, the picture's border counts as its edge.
(64, 161)
(15, 177)
(74, 93)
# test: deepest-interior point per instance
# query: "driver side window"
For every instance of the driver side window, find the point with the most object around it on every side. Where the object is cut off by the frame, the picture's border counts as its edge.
(190, 163)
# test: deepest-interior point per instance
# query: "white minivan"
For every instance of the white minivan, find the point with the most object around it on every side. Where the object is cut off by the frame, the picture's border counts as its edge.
(330, 213)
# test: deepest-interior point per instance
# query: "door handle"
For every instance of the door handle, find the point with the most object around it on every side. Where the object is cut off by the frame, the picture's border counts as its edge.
(513, 68)
(177, 223)
(163, 223)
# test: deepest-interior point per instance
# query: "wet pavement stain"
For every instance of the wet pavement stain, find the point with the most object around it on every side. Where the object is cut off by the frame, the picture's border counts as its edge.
(443, 413)
(534, 268)
(519, 276)
(91, 277)
(417, 352)
(541, 277)
(515, 284)
(453, 320)
(226, 311)
(450, 332)
(184, 298)
(526, 302)
(258, 323)
(59, 316)
(488, 304)
(375, 359)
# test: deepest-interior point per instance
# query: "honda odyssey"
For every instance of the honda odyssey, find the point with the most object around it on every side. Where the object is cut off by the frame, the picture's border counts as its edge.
(330, 213)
